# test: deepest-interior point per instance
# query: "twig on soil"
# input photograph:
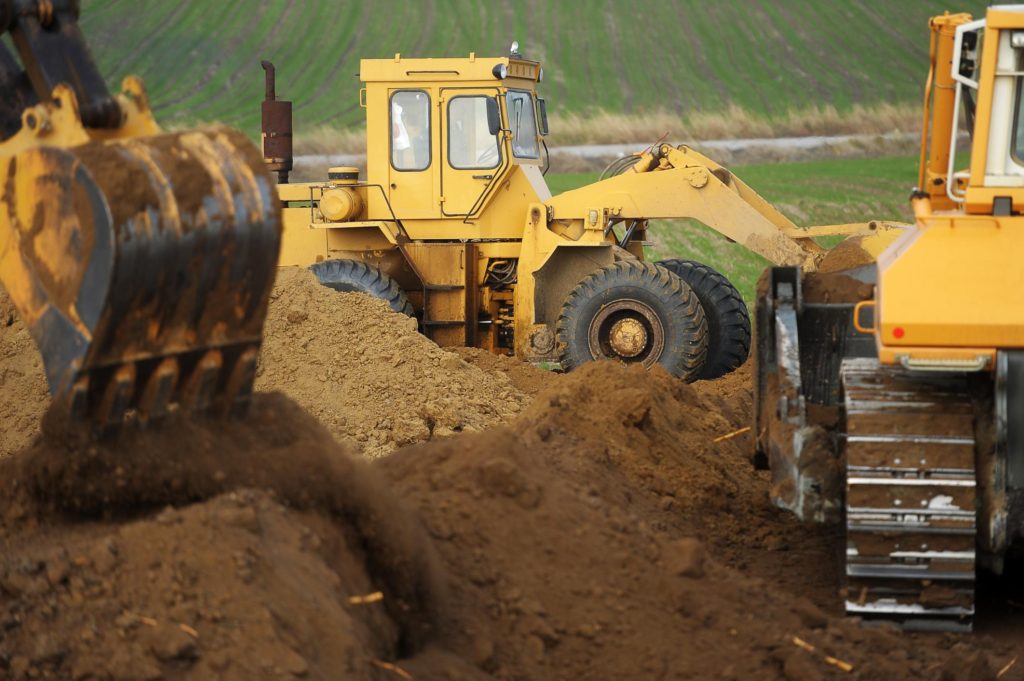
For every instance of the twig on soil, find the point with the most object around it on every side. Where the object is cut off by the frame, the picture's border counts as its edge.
(1008, 667)
(729, 436)
(835, 662)
(392, 668)
(374, 597)
(189, 630)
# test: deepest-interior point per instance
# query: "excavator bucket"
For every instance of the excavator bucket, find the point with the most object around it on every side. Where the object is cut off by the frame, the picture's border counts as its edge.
(141, 261)
(143, 269)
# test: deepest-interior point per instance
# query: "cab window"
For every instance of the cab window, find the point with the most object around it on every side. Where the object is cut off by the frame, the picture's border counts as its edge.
(410, 130)
(522, 123)
(470, 143)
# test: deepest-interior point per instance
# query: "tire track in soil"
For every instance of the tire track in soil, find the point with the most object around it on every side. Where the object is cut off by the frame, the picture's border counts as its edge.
(628, 95)
(263, 45)
(701, 62)
(820, 89)
(142, 46)
(326, 89)
(214, 66)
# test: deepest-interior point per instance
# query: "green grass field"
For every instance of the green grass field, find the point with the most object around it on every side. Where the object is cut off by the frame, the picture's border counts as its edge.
(200, 59)
(811, 193)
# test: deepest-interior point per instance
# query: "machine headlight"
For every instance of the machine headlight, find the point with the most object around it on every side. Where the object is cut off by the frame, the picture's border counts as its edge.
(500, 71)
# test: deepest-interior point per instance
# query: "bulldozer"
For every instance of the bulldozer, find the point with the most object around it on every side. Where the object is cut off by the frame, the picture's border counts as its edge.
(890, 397)
(141, 261)
(455, 224)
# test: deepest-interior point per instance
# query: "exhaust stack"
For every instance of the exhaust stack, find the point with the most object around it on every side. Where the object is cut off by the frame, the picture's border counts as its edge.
(276, 129)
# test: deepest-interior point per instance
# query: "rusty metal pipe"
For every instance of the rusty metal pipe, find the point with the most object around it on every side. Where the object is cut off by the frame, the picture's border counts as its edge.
(276, 128)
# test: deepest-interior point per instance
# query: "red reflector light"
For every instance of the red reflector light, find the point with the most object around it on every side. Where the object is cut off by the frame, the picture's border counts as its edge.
(897, 332)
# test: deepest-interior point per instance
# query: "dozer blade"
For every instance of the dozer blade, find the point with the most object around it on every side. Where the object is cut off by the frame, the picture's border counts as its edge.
(143, 269)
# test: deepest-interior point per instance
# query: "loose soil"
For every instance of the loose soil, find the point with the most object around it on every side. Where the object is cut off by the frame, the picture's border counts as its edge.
(367, 374)
(603, 534)
(23, 390)
(609, 527)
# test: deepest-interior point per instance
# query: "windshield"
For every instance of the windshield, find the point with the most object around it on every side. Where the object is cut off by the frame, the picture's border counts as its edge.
(522, 123)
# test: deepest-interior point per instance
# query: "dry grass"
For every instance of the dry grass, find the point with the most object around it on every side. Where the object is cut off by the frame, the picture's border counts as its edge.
(733, 123)
(620, 128)
(325, 139)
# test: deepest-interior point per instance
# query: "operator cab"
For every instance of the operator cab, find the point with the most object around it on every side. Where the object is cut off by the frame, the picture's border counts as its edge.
(455, 129)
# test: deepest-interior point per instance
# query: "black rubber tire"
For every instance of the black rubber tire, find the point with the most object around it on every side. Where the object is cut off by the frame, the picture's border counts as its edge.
(673, 304)
(726, 313)
(358, 277)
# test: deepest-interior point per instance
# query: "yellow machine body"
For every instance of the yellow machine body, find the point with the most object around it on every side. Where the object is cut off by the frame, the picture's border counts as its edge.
(950, 291)
(140, 261)
(445, 204)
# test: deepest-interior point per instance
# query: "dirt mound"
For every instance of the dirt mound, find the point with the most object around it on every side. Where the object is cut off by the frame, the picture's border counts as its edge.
(526, 378)
(846, 255)
(237, 550)
(367, 374)
(584, 541)
(23, 390)
(594, 537)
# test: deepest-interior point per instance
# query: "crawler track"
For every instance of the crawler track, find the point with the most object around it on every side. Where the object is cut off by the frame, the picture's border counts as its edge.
(910, 497)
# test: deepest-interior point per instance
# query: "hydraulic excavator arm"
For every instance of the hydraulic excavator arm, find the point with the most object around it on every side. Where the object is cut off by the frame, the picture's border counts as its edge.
(141, 262)
(669, 182)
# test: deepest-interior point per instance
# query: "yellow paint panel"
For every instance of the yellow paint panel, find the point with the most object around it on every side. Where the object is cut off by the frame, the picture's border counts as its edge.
(956, 283)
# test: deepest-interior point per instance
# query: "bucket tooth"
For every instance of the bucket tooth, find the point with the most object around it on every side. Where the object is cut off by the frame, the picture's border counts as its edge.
(198, 391)
(157, 392)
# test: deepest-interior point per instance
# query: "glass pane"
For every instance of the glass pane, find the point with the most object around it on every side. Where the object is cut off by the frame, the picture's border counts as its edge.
(524, 127)
(410, 130)
(470, 144)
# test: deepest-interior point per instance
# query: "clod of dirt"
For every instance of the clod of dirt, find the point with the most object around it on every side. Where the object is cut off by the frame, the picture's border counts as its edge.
(23, 390)
(367, 374)
(527, 378)
(846, 255)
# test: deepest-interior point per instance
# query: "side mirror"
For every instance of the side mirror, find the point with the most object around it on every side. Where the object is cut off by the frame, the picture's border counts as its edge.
(493, 116)
(542, 108)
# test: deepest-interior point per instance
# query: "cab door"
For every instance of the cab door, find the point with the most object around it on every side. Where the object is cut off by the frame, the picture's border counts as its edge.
(411, 171)
(472, 158)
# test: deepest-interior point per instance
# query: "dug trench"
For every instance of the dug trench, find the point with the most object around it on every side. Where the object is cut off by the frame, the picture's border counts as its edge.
(607, 528)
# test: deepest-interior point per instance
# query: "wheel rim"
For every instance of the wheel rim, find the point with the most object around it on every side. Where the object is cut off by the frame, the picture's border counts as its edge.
(627, 330)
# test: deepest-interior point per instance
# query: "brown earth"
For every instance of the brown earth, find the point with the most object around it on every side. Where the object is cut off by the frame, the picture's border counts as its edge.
(367, 374)
(613, 529)
(603, 534)
(526, 378)
(23, 391)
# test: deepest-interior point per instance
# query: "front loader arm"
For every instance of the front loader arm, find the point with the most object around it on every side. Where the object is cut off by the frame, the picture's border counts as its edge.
(680, 183)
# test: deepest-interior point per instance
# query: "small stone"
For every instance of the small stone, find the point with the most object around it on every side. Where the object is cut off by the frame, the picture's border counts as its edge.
(296, 315)
(168, 642)
(685, 557)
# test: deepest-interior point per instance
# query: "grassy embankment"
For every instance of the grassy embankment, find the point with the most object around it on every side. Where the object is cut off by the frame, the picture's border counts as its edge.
(693, 69)
(811, 193)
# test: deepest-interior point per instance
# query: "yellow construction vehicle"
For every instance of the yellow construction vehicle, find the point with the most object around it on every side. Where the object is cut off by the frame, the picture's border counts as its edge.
(141, 262)
(455, 223)
(901, 411)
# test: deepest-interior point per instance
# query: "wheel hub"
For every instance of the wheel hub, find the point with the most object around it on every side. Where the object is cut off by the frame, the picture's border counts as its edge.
(628, 337)
(627, 330)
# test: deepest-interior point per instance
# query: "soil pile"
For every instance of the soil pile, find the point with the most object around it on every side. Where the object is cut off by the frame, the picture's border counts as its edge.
(237, 550)
(590, 538)
(586, 541)
(23, 390)
(526, 378)
(367, 374)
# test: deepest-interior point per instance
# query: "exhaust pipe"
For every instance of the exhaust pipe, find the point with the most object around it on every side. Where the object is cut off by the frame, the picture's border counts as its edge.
(276, 128)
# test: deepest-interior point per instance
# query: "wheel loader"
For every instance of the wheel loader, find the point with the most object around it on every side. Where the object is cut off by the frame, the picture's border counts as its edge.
(454, 223)
(140, 261)
(890, 398)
